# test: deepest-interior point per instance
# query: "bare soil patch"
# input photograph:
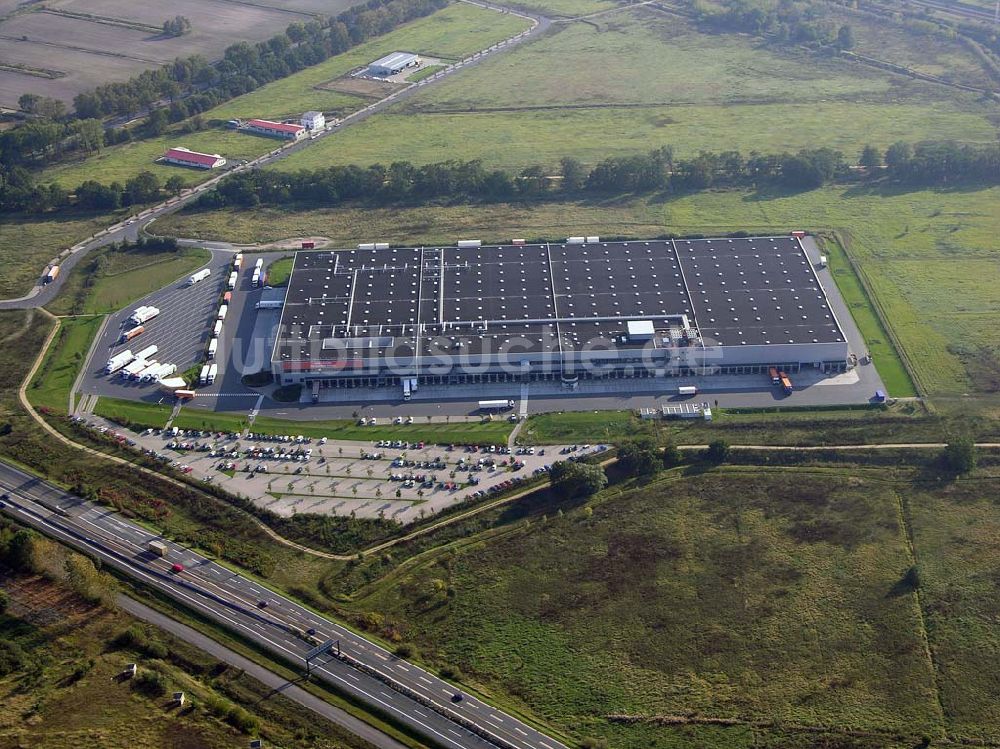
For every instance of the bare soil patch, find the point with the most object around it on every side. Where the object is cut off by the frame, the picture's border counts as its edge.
(366, 87)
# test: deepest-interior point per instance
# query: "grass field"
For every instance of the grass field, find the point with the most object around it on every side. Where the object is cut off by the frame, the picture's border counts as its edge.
(658, 83)
(118, 163)
(27, 243)
(458, 30)
(137, 414)
(767, 597)
(956, 534)
(279, 271)
(927, 255)
(55, 378)
(566, 8)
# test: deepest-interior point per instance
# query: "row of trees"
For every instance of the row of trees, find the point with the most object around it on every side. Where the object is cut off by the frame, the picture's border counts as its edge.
(800, 23)
(403, 182)
(406, 183)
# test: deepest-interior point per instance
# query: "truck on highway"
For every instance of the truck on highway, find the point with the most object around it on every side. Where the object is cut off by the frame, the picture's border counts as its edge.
(203, 377)
(231, 284)
(687, 390)
(50, 274)
(131, 333)
(143, 314)
(213, 348)
(199, 276)
(786, 383)
(498, 405)
(158, 547)
(213, 372)
(118, 361)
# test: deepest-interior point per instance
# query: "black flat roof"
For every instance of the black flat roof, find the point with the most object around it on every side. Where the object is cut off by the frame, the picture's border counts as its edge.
(366, 302)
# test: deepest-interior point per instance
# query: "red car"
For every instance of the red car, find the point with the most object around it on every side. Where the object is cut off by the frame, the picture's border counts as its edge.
(177, 568)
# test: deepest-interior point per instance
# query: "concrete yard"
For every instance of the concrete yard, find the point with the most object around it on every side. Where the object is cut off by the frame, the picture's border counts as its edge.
(344, 478)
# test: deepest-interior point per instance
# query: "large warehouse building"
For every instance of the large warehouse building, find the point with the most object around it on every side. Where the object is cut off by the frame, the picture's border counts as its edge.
(581, 309)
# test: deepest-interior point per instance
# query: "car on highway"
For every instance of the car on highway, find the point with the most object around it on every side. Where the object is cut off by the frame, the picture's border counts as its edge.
(262, 604)
(177, 568)
(457, 697)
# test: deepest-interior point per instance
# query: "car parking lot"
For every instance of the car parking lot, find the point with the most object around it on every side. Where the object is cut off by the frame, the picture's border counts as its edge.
(390, 478)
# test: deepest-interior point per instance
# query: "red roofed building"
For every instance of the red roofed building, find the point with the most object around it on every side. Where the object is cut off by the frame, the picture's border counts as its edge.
(186, 157)
(276, 129)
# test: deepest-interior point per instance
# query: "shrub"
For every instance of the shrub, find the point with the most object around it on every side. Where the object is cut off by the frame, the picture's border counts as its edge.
(717, 452)
(960, 455)
(151, 683)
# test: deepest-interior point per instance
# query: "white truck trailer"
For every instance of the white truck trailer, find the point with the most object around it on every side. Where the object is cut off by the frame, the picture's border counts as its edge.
(498, 405)
(223, 311)
(143, 314)
(151, 366)
(118, 361)
(238, 261)
(213, 348)
(158, 547)
(199, 276)
(255, 280)
(203, 377)
(132, 369)
(687, 390)
(148, 353)
(231, 284)
(213, 372)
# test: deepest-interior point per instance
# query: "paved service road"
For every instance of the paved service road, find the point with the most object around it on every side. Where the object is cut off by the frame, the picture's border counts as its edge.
(410, 695)
(268, 678)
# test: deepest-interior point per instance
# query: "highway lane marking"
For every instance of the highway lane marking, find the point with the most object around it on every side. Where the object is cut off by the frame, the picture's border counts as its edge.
(401, 666)
(173, 587)
(523, 733)
(545, 745)
(235, 623)
(353, 676)
(425, 680)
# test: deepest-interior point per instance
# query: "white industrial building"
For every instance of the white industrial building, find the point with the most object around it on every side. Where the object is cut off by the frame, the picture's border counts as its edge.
(313, 121)
(393, 64)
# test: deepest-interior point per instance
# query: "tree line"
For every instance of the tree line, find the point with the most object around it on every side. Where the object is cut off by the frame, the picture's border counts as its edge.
(926, 164)
(402, 182)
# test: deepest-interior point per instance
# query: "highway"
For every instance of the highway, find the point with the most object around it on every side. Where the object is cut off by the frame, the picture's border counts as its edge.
(354, 665)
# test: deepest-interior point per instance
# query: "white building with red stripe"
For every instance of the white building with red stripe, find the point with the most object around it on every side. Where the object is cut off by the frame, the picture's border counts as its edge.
(285, 130)
(186, 157)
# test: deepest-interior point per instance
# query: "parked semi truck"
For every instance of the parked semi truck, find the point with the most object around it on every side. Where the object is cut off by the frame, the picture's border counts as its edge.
(50, 274)
(143, 374)
(133, 368)
(257, 276)
(213, 348)
(118, 361)
(213, 372)
(128, 335)
(223, 311)
(203, 377)
(237, 261)
(199, 276)
(786, 383)
(158, 547)
(148, 352)
(231, 284)
(687, 390)
(774, 375)
(496, 405)
(143, 314)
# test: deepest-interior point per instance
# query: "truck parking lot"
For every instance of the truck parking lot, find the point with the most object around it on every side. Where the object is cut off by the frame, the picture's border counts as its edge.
(392, 479)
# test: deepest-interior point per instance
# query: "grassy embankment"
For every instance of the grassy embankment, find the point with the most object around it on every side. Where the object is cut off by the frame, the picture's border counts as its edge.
(752, 607)
(27, 243)
(63, 657)
(451, 33)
